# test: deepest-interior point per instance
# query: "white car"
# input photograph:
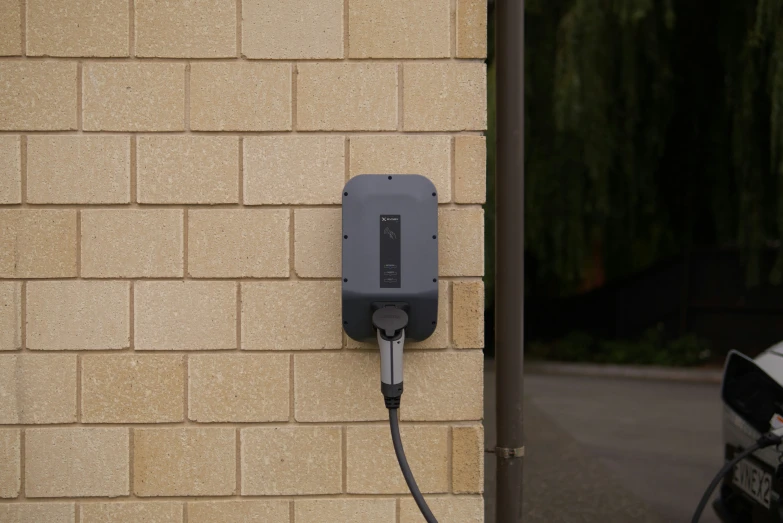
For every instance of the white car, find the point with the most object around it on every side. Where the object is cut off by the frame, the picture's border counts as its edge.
(752, 394)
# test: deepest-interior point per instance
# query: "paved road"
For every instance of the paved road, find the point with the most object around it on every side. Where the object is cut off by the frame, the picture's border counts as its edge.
(611, 450)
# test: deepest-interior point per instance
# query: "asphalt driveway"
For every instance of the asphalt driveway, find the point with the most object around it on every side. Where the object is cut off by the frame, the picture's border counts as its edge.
(610, 450)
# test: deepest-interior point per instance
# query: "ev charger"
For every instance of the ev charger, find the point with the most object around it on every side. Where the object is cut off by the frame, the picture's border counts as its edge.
(390, 252)
(390, 278)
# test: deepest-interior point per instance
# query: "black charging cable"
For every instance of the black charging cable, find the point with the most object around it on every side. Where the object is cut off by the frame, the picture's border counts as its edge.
(767, 440)
(394, 422)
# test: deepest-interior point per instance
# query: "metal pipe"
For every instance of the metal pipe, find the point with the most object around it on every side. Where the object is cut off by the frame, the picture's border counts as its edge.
(509, 250)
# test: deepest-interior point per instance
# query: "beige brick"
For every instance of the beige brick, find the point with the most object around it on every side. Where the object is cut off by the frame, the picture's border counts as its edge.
(244, 511)
(134, 96)
(10, 167)
(318, 243)
(372, 467)
(10, 28)
(38, 513)
(443, 386)
(428, 156)
(294, 169)
(291, 460)
(10, 463)
(471, 29)
(291, 315)
(191, 29)
(188, 169)
(144, 512)
(184, 462)
(445, 96)
(292, 30)
(238, 243)
(10, 315)
(439, 338)
(78, 169)
(338, 387)
(461, 235)
(37, 243)
(77, 27)
(470, 169)
(240, 96)
(37, 388)
(76, 462)
(468, 315)
(467, 451)
(346, 97)
(132, 388)
(37, 95)
(345, 510)
(454, 509)
(399, 29)
(185, 315)
(120, 243)
(78, 315)
(238, 387)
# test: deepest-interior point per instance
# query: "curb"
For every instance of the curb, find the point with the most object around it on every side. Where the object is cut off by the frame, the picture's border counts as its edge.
(644, 372)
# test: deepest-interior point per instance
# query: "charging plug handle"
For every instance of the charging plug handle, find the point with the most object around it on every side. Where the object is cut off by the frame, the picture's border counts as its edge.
(390, 322)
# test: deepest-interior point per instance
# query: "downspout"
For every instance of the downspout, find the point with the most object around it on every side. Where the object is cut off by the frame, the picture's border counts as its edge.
(509, 255)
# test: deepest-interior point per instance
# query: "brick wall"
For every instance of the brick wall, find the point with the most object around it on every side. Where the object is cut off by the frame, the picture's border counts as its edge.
(170, 339)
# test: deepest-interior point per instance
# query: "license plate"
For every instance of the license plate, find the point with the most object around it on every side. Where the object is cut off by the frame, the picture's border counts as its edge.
(752, 480)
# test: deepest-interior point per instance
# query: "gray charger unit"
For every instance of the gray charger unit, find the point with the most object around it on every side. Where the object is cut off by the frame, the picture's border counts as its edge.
(390, 252)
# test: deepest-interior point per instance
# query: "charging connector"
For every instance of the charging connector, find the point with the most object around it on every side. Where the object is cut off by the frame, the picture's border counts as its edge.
(390, 321)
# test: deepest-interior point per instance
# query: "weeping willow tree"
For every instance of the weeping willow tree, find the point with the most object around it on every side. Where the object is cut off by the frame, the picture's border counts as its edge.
(650, 125)
(755, 96)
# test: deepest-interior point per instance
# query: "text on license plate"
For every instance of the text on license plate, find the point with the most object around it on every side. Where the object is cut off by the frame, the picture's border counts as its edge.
(753, 481)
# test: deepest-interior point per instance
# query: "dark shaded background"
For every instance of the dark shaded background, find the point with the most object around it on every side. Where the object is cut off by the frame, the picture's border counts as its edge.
(654, 180)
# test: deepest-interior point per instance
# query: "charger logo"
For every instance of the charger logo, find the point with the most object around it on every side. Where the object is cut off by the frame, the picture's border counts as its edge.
(389, 219)
(388, 232)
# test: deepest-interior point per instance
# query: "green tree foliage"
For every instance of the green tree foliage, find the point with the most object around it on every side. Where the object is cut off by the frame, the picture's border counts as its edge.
(598, 105)
(649, 124)
(755, 97)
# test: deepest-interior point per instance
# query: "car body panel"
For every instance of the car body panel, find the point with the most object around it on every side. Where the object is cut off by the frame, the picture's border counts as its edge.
(733, 506)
